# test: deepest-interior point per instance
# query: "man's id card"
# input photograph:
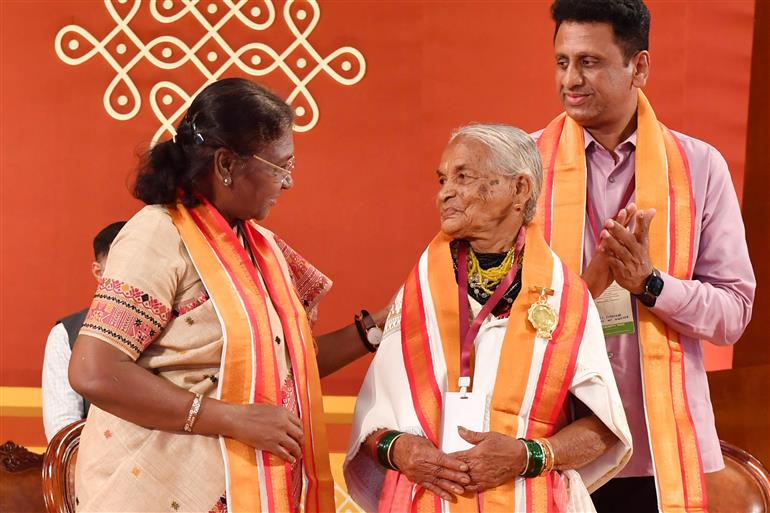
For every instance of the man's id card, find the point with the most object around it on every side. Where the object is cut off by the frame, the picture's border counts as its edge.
(469, 410)
(615, 311)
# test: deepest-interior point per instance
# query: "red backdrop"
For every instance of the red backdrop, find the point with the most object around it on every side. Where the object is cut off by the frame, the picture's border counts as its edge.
(362, 208)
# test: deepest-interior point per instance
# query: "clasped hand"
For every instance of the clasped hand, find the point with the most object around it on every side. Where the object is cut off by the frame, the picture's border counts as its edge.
(424, 465)
(495, 459)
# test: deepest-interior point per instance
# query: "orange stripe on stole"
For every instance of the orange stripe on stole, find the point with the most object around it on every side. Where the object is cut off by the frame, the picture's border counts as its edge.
(319, 495)
(547, 414)
(661, 166)
(444, 294)
(235, 382)
(267, 383)
(562, 209)
(682, 207)
(516, 359)
(547, 144)
(682, 236)
(418, 363)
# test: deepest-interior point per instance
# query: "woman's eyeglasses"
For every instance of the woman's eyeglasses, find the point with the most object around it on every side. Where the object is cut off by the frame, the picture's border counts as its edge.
(282, 173)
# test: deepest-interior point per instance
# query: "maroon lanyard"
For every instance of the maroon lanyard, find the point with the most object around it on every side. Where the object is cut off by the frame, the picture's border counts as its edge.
(593, 216)
(468, 332)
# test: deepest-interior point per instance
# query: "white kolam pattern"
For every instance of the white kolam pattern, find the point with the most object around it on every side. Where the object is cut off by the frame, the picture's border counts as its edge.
(345, 65)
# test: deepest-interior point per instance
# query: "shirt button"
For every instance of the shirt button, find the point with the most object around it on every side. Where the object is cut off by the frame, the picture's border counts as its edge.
(611, 179)
(278, 340)
(610, 355)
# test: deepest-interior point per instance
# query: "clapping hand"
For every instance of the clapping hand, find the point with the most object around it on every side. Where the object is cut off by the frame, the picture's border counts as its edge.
(628, 251)
(598, 274)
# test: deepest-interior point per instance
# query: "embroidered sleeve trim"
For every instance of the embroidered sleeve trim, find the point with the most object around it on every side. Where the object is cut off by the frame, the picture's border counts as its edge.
(192, 304)
(126, 316)
(310, 283)
(150, 304)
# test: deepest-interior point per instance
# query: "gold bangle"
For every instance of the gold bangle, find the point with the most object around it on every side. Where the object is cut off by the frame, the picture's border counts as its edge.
(192, 415)
(550, 459)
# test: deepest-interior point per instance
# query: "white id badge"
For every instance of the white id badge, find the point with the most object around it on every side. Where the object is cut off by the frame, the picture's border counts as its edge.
(615, 311)
(467, 409)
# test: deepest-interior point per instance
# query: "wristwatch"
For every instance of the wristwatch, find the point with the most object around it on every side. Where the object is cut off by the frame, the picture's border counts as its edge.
(653, 286)
(370, 333)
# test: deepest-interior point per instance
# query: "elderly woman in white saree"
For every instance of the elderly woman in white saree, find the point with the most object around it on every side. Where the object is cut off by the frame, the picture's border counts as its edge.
(492, 375)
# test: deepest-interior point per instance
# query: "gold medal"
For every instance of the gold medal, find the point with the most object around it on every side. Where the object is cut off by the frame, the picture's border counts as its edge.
(541, 315)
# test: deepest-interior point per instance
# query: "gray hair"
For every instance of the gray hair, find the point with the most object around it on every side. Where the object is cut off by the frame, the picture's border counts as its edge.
(513, 152)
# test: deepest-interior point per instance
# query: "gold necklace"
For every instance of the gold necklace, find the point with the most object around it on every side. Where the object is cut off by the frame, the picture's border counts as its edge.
(488, 279)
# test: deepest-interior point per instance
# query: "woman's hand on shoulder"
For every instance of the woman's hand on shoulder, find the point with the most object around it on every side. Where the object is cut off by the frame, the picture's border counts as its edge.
(423, 464)
(268, 428)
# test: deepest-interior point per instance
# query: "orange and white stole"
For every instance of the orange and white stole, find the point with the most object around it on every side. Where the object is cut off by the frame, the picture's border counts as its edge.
(662, 182)
(547, 414)
(256, 480)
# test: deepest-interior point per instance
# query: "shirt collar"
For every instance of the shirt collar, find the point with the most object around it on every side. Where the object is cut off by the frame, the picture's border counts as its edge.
(588, 139)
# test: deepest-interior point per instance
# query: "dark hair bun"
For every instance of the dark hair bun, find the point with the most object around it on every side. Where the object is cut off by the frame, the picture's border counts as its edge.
(234, 113)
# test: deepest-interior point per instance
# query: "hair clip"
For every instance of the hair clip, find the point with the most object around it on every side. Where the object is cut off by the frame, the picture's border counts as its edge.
(197, 136)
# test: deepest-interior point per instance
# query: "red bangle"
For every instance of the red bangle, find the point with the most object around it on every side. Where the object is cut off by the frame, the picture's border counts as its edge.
(377, 443)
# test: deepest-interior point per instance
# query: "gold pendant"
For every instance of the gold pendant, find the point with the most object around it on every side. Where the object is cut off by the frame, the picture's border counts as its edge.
(541, 315)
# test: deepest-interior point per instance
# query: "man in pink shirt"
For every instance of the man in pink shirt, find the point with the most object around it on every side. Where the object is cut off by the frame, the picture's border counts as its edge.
(602, 61)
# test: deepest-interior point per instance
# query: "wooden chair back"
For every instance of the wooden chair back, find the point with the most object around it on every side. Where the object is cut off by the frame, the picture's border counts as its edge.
(743, 486)
(59, 469)
(20, 480)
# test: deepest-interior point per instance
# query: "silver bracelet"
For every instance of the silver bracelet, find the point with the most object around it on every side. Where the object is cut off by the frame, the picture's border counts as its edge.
(192, 415)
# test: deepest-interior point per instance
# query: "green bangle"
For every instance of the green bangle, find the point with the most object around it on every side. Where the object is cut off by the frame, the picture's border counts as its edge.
(384, 446)
(535, 458)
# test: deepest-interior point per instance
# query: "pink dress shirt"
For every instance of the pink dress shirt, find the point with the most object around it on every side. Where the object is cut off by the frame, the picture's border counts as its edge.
(715, 305)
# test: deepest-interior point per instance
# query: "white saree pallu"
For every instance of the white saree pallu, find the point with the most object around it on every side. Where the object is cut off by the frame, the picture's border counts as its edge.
(529, 379)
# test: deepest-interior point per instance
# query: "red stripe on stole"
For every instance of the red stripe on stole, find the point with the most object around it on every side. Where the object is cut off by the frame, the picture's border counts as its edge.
(414, 287)
(672, 269)
(672, 242)
(576, 343)
(309, 447)
(680, 447)
(549, 177)
(563, 306)
(540, 390)
(258, 391)
(697, 444)
(259, 395)
(310, 458)
(678, 430)
(688, 175)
